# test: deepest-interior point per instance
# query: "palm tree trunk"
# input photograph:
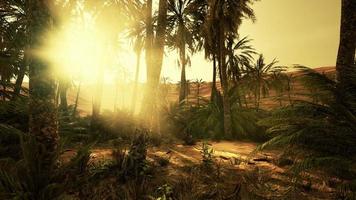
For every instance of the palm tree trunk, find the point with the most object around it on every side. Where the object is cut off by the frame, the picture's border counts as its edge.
(3, 83)
(155, 62)
(258, 97)
(213, 86)
(43, 123)
(137, 73)
(148, 56)
(19, 80)
(98, 96)
(289, 89)
(224, 83)
(160, 39)
(63, 87)
(198, 94)
(21, 75)
(345, 64)
(183, 85)
(183, 80)
(77, 99)
(117, 88)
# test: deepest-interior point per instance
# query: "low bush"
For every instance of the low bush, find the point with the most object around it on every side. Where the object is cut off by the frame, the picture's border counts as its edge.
(30, 178)
(206, 121)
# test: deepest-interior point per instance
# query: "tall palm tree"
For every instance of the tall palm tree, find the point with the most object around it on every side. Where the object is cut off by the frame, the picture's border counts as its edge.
(103, 11)
(279, 83)
(139, 43)
(14, 23)
(199, 83)
(154, 47)
(345, 63)
(180, 23)
(148, 106)
(43, 117)
(137, 32)
(224, 18)
(240, 55)
(77, 98)
(259, 77)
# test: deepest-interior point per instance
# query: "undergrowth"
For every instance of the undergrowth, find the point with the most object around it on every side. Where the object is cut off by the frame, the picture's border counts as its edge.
(315, 134)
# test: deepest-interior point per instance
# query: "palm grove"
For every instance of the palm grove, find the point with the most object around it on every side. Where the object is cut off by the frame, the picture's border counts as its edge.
(233, 111)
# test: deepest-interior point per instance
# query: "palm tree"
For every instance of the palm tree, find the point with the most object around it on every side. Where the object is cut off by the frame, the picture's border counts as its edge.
(198, 83)
(138, 47)
(279, 83)
(148, 106)
(63, 86)
(13, 34)
(180, 23)
(240, 54)
(289, 87)
(345, 63)
(77, 99)
(102, 12)
(137, 32)
(43, 117)
(223, 19)
(259, 78)
(154, 46)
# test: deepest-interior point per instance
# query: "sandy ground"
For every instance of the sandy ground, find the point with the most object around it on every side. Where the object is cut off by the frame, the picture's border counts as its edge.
(238, 156)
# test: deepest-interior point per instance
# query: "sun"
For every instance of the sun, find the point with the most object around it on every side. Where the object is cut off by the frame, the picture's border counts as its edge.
(71, 49)
(77, 49)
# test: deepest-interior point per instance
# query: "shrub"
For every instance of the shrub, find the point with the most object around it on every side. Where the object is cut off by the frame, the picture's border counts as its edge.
(207, 154)
(206, 121)
(29, 179)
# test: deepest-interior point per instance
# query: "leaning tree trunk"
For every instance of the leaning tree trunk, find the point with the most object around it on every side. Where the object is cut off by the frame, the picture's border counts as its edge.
(345, 64)
(43, 117)
(224, 83)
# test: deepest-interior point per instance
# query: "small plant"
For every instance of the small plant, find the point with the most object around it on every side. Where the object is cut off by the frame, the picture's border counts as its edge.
(163, 161)
(165, 192)
(119, 155)
(135, 163)
(346, 191)
(207, 155)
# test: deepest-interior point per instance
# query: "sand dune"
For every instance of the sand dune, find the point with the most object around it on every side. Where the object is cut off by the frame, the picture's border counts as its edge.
(121, 95)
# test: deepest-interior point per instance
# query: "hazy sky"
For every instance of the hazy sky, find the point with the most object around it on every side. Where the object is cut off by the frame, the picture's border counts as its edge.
(292, 31)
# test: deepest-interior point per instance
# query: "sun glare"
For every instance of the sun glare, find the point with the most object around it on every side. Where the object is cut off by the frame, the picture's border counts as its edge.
(78, 49)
